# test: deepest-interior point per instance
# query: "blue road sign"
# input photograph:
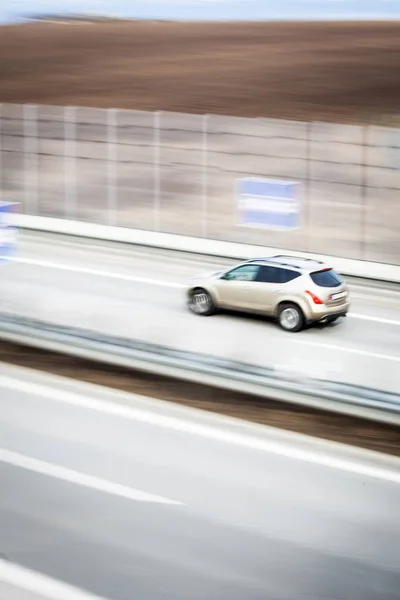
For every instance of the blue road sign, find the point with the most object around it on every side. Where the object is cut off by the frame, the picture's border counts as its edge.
(269, 203)
(8, 231)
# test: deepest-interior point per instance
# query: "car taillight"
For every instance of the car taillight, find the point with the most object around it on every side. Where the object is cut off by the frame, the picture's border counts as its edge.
(315, 298)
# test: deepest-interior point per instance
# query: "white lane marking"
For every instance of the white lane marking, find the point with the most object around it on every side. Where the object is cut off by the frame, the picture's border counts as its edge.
(102, 485)
(376, 319)
(40, 585)
(383, 295)
(159, 282)
(378, 355)
(98, 273)
(204, 431)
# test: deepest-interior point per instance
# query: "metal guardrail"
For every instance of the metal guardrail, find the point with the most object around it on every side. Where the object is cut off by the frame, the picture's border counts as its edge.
(271, 383)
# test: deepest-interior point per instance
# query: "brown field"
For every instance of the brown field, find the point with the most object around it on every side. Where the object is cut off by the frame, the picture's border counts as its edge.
(347, 72)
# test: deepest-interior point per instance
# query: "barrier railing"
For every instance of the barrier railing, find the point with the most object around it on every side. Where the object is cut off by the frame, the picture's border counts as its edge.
(290, 387)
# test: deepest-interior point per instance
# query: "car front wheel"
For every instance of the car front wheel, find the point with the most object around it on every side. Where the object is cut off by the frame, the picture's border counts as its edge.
(201, 303)
(290, 317)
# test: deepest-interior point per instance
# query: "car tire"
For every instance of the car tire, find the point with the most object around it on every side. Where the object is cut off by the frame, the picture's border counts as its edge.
(290, 317)
(201, 303)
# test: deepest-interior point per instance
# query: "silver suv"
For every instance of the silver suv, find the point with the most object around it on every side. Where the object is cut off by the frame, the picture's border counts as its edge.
(295, 291)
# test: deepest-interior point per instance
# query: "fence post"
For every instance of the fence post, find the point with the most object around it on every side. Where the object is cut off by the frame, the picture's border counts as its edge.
(156, 166)
(307, 195)
(31, 158)
(364, 191)
(70, 162)
(112, 115)
(204, 219)
(1, 152)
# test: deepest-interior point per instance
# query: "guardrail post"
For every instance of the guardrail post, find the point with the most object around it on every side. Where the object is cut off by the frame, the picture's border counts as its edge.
(31, 158)
(70, 162)
(112, 158)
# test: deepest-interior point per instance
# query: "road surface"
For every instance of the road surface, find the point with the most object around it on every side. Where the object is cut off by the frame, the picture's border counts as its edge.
(128, 497)
(140, 294)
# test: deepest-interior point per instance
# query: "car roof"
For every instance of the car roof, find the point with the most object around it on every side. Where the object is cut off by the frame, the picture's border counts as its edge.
(294, 262)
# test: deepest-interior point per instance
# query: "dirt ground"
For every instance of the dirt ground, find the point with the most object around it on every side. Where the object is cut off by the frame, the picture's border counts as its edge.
(335, 427)
(346, 72)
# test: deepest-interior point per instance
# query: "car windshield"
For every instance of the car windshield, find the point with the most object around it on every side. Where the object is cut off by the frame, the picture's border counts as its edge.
(326, 278)
(242, 273)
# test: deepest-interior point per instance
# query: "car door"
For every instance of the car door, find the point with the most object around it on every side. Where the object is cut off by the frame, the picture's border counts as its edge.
(234, 287)
(266, 287)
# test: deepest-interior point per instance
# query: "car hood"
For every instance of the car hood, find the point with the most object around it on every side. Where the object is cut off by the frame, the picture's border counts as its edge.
(208, 275)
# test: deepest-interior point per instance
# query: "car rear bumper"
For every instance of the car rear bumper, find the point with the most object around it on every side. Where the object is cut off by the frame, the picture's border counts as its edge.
(329, 316)
(325, 313)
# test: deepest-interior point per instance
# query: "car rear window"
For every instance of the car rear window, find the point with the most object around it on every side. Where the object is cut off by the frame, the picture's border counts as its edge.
(326, 278)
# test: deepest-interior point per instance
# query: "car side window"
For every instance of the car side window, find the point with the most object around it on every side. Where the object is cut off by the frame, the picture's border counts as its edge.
(242, 273)
(268, 274)
(288, 275)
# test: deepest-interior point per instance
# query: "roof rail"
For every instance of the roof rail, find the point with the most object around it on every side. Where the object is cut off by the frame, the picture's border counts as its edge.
(282, 257)
(269, 260)
(258, 259)
(303, 258)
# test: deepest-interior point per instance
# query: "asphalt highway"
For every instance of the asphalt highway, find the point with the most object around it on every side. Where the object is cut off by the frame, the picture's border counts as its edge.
(139, 293)
(128, 497)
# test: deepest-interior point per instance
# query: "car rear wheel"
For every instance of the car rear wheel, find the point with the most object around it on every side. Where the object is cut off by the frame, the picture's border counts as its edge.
(290, 317)
(201, 303)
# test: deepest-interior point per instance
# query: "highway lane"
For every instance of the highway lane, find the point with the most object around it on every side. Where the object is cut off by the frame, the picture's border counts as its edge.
(140, 293)
(216, 508)
(19, 583)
